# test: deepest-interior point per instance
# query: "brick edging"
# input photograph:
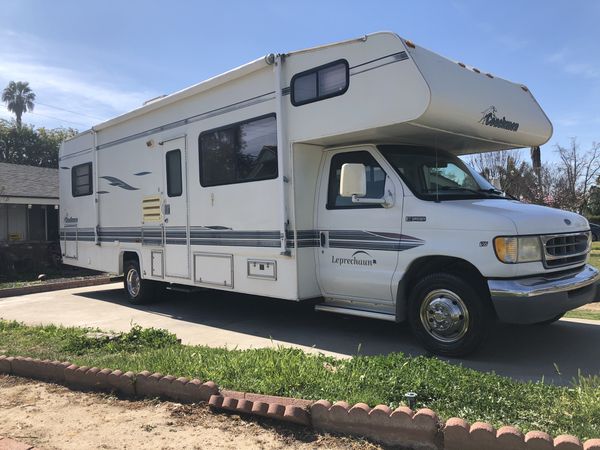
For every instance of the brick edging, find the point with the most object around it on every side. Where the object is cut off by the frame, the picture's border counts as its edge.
(421, 429)
(57, 286)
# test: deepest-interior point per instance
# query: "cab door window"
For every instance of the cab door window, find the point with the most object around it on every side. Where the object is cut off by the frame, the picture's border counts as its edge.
(375, 180)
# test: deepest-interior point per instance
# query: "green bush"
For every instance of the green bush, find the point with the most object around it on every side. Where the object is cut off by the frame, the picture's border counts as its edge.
(594, 219)
(135, 339)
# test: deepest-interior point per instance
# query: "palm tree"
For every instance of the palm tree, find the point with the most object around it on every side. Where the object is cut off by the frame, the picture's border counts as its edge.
(19, 98)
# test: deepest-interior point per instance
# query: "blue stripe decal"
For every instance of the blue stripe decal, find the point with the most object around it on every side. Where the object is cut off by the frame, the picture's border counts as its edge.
(203, 236)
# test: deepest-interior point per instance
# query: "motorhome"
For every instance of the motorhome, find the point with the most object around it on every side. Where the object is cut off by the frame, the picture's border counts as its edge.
(331, 175)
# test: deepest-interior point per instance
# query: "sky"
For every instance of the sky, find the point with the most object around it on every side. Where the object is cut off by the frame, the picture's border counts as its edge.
(90, 61)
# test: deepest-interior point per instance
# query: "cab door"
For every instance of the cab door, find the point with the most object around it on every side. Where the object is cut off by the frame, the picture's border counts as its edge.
(358, 243)
(175, 209)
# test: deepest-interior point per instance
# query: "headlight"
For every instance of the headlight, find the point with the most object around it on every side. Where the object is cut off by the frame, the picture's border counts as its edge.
(511, 250)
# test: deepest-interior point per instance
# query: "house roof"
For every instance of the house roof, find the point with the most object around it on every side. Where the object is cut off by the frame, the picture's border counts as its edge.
(17, 180)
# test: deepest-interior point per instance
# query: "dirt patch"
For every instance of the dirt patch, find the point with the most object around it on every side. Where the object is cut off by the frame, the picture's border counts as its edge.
(590, 307)
(53, 417)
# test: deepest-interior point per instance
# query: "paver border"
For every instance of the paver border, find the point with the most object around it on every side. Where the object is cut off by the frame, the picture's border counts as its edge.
(57, 286)
(420, 429)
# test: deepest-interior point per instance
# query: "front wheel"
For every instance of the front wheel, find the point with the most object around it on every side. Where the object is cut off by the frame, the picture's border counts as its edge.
(449, 316)
(139, 291)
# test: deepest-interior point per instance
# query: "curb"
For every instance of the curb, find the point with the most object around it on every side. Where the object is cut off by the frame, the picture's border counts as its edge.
(421, 429)
(50, 286)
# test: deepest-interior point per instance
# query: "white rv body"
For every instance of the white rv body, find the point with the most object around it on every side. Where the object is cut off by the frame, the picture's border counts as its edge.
(277, 237)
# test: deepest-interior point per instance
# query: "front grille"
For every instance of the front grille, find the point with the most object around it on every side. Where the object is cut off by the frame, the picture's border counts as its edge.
(565, 249)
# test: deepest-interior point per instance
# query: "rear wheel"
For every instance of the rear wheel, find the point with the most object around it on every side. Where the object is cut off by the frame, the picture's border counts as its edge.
(448, 315)
(139, 291)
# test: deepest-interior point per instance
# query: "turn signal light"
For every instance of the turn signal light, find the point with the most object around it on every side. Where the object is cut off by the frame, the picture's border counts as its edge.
(506, 249)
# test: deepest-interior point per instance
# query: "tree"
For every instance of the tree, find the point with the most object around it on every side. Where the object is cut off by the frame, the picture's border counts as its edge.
(507, 170)
(19, 98)
(30, 146)
(593, 206)
(576, 174)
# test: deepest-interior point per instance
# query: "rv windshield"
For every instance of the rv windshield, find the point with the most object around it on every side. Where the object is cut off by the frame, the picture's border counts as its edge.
(433, 175)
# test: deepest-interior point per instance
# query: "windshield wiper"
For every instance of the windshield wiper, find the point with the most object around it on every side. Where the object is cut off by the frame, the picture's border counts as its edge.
(460, 188)
(500, 193)
(492, 191)
(485, 192)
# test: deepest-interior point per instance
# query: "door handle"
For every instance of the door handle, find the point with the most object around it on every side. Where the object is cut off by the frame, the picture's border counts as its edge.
(323, 239)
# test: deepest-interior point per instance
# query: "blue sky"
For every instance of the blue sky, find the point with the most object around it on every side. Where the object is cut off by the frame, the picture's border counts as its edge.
(91, 61)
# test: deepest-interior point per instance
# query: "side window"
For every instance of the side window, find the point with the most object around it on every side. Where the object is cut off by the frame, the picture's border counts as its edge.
(239, 153)
(81, 180)
(320, 83)
(174, 182)
(375, 180)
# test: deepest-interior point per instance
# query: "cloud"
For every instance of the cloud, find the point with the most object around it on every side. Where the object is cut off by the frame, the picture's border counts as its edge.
(557, 57)
(67, 96)
(585, 70)
(512, 43)
(571, 66)
(568, 121)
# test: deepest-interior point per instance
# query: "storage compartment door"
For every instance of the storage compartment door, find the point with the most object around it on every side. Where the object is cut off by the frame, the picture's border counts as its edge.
(215, 269)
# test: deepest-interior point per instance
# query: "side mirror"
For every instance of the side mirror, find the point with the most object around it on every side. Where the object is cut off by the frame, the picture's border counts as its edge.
(353, 180)
(353, 183)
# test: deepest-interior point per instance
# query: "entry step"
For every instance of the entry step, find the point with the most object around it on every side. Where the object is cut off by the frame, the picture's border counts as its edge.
(355, 312)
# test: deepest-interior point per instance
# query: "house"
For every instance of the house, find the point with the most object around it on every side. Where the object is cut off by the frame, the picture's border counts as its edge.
(28, 214)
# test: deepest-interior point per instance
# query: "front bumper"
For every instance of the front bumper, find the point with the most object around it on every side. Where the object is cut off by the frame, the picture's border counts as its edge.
(536, 299)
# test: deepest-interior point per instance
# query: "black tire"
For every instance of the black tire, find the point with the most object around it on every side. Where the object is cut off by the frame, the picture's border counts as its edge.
(551, 321)
(138, 290)
(460, 314)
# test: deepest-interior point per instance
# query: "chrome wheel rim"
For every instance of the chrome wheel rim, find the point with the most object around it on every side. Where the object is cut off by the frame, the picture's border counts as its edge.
(133, 282)
(444, 316)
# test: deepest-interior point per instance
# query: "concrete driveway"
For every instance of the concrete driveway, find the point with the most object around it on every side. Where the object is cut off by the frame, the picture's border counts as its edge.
(224, 319)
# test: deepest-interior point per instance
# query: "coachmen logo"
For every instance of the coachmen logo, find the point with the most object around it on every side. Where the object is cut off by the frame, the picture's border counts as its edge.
(358, 258)
(70, 220)
(491, 120)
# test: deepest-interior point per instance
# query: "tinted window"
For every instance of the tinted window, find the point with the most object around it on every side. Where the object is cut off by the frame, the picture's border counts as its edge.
(81, 180)
(239, 153)
(433, 175)
(305, 88)
(375, 180)
(320, 83)
(174, 183)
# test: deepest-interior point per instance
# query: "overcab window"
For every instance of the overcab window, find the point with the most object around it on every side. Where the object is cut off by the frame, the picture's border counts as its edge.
(239, 153)
(320, 83)
(81, 180)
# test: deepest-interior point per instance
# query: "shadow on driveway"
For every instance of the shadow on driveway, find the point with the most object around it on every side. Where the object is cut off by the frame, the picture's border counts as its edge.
(557, 352)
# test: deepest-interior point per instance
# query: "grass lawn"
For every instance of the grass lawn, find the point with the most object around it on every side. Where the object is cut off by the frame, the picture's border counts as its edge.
(449, 390)
(589, 312)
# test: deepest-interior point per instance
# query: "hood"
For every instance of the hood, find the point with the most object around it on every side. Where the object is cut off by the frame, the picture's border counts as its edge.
(527, 218)
(504, 217)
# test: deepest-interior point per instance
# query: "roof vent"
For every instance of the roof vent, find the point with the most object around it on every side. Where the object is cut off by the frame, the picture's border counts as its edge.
(152, 100)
